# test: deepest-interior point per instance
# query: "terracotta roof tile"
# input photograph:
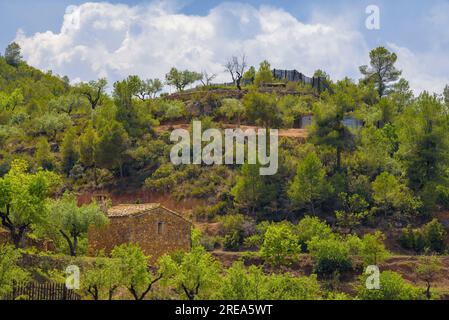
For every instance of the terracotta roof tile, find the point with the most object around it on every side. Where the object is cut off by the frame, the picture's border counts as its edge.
(125, 210)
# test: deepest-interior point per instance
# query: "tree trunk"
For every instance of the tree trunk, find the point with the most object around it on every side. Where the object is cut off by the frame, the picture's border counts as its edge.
(239, 80)
(17, 237)
(428, 295)
(338, 159)
(312, 208)
(72, 246)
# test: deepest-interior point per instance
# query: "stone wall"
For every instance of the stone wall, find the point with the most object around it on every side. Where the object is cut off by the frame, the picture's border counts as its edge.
(158, 232)
(40, 244)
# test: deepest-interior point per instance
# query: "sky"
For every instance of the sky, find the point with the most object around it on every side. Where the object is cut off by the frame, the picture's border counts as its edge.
(113, 39)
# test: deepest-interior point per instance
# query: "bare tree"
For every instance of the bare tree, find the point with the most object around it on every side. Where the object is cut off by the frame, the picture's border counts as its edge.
(237, 67)
(207, 79)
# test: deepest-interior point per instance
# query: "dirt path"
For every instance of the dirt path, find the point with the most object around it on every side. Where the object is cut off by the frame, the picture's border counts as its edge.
(288, 133)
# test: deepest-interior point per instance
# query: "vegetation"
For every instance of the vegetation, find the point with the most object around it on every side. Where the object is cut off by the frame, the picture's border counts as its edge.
(369, 179)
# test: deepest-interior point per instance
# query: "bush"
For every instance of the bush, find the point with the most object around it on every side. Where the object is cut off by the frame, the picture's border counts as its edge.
(332, 255)
(280, 244)
(430, 237)
(312, 227)
(392, 287)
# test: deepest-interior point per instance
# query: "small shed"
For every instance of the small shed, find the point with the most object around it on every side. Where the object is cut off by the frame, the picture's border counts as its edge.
(156, 229)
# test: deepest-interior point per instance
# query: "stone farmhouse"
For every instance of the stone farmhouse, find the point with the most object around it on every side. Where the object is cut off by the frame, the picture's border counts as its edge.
(156, 229)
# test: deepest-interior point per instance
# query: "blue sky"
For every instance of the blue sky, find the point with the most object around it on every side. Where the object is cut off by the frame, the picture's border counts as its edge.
(416, 29)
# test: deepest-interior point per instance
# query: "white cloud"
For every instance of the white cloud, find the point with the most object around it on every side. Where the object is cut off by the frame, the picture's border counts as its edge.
(116, 40)
(425, 71)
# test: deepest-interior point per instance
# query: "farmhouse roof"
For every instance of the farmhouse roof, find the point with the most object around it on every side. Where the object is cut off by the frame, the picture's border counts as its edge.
(129, 210)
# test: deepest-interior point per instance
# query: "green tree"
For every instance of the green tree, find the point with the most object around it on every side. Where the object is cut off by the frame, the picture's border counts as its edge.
(382, 70)
(424, 144)
(249, 76)
(136, 275)
(10, 272)
(44, 157)
(434, 234)
(280, 244)
(331, 255)
(261, 109)
(252, 191)
(354, 212)
(312, 227)
(69, 151)
(13, 55)
(309, 187)
(94, 91)
(73, 222)
(391, 195)
(428, 270)
(264, 75)
(22, 199)
(373, 249)
(194, 275)
(111, 146)
(103, 279)
(446, 94)
(87, 143)
(392, 287)
(232, 109)
(328, 129)
(181, 79)
(144, 89)
(241, 283)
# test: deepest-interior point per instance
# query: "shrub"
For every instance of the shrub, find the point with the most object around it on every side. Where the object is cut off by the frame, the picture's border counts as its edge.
(280, 244)
(330, 255)
(430, 237)
(373, 249)
(392, 287)
(312, 227)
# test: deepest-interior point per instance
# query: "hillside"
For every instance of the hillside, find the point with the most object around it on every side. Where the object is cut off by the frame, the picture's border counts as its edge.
(361, 179)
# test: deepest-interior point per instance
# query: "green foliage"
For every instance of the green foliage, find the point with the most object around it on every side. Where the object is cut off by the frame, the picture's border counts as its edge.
(136, 276)
(354, 212)
(392, 287)
(194, 275)
(309, 186)
(382, 71)
(235, 230)
(9, 270)
(252, 191)
(71, 222)
(112, 144)
(264, 75)
(69, 151)
(251, 283)
(87, 143)
(261, 109)
(44, 157)
(103, 279)
(280, 244)
(232, 109)
(94, 91)
(312, 228)
(13, 54)
(331, 255)
(428, 271)
(22, 199)
(431, 237)
(373, 250)
(181, 79)
(390, 195)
